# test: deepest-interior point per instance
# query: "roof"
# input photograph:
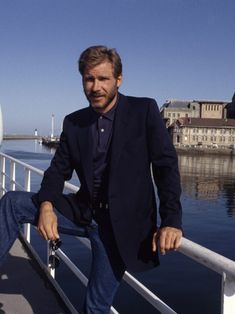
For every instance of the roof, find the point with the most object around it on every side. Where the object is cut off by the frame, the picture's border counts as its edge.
(208, 101)
(176, 104)
(199, 122)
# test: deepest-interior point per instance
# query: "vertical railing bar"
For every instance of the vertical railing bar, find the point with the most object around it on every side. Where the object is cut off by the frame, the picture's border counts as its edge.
(12, 176)
(27, 188)
(3, 175)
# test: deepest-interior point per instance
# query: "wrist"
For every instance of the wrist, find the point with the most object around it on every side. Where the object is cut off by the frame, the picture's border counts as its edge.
(46, 206)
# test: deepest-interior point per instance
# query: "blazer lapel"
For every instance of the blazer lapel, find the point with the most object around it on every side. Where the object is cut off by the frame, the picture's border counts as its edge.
(86, 145)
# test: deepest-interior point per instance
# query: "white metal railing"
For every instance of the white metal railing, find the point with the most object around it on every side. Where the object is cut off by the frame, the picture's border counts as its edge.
(208, 258)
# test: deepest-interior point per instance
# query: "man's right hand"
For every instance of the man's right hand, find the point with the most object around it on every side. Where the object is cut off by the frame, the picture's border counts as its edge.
(47, 222)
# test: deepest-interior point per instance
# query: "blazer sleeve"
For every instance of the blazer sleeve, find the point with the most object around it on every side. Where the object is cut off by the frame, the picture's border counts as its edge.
(165, 170)
(59, 171)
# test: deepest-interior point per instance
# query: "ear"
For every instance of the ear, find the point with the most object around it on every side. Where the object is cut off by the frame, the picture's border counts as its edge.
(119, 80)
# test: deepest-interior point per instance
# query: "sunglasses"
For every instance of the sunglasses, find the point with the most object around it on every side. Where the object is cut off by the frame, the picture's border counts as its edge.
(54, 260)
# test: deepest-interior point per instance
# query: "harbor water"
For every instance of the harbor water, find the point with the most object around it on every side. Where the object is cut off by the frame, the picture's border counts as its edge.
(208, 200)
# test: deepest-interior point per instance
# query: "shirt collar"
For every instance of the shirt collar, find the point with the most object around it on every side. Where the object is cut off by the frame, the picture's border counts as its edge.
(109, 114)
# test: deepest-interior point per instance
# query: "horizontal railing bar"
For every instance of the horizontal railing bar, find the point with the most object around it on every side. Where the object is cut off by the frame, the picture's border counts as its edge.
(35, 170)
(208, 258)
(68, 185)
(71, 187)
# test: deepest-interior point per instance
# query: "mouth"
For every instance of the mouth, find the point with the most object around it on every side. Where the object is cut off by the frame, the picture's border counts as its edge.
(97, 98)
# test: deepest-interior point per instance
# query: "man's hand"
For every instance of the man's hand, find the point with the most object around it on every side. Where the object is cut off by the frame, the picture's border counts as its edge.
(167, 238)
(47, 222)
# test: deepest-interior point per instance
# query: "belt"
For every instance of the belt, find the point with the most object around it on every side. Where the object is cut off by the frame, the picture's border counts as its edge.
(100, 205)
(103, 205)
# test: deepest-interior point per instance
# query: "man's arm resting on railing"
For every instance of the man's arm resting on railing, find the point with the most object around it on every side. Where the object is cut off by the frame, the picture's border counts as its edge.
(47, 222)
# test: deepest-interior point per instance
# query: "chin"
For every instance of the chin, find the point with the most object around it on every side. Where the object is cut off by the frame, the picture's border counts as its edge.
(97, 106)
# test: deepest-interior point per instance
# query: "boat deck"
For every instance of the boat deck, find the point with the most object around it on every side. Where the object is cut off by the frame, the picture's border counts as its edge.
(23, 288)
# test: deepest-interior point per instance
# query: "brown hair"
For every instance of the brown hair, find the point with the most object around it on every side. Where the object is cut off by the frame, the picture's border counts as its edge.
(95, 55)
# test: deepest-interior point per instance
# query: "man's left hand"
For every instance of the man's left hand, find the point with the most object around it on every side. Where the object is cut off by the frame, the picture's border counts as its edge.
(167, 239)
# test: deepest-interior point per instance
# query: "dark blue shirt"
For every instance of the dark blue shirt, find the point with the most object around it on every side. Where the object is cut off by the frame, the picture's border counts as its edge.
(102, 134)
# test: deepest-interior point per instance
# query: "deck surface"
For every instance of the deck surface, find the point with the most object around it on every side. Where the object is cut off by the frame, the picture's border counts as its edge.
(22, 289)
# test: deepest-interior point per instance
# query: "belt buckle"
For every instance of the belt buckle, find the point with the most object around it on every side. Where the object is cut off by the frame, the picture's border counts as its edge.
(104, 205)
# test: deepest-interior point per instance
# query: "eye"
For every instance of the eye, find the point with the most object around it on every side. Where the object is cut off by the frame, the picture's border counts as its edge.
(103, 78)
(89, 79)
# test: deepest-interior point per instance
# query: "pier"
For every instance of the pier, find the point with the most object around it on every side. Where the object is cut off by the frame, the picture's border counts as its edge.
(22, 137)
(51, 142)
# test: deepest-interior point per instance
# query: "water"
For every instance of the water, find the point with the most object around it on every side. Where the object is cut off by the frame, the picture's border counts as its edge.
(208, 201)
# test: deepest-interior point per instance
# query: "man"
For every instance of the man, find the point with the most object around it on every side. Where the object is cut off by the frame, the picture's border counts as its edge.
(115, 146)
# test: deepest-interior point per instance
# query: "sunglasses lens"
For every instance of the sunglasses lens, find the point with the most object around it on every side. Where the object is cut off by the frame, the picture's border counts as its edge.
(54, 261)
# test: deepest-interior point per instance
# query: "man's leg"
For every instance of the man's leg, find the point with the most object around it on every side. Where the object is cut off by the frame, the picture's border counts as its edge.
(106, 272)
(17, 208)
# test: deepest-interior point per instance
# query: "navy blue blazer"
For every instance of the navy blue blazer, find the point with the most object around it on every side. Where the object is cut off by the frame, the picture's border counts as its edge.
(140, 150)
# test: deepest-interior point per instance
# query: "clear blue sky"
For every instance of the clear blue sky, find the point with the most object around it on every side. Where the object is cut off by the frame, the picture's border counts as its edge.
(182, 49)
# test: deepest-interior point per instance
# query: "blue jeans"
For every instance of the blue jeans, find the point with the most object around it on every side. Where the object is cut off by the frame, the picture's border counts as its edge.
(17, 208)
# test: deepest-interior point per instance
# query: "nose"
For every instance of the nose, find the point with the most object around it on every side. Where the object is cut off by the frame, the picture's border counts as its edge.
(96, 86)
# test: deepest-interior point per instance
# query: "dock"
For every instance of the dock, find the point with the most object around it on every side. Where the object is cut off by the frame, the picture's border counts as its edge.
(21, 137)
(24, 289)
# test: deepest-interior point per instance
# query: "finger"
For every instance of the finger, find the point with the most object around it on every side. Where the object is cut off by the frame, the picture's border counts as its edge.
(178, 241)
(154, 242)
(173, 241)
(169, 239)
(162, 243)
(55, 231)
(49, 232)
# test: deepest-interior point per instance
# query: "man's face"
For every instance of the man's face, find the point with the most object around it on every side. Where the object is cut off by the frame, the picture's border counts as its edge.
(101, 87)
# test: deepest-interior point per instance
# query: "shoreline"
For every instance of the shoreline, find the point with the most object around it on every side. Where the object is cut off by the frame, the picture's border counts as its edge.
(205, 151)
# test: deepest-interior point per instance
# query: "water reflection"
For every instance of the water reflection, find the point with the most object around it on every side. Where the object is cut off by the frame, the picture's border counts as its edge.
(209, 178)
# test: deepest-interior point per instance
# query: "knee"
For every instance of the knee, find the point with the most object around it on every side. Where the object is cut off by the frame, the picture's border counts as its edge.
(10, 196)
(13, 197)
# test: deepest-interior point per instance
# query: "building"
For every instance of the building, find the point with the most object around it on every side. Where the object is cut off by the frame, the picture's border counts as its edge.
(200, 122)
(176, 109)
(203, 132)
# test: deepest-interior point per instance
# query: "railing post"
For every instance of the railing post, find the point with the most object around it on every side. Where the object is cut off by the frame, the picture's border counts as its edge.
(27, 187)
(227, 295)
(13, 176)
(50, 252)
(3, 175)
